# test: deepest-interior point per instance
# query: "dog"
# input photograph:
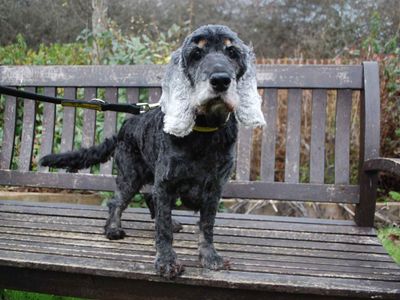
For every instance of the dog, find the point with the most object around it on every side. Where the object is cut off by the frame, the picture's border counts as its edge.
(185, 148)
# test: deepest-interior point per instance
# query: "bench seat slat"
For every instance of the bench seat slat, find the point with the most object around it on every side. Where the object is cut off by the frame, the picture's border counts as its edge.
(146, 230)
(67, 244)
(219, 230)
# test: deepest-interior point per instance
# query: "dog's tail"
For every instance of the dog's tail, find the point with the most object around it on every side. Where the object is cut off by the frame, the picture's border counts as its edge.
(82, 158)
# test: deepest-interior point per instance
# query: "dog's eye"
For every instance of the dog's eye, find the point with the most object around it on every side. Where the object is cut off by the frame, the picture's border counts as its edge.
(232, 52)
(196, 54)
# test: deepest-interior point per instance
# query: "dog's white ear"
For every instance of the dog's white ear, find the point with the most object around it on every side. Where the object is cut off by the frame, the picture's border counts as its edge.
(249, 111)
(179, 116)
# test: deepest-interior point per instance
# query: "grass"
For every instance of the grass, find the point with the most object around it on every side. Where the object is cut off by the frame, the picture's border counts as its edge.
(20, 295)
(390, 238)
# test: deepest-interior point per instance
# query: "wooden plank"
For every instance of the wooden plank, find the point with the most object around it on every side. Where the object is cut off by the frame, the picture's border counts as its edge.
(10, 120)
(234, 189)
(218, 230)
(89, 124)
(110, 126)
(231, 216)
(243, 157)
(191, 259)
(154, 95)
(146, 230)
(268, 76)
(190, 220)
(68, 127)
(369, 143)
(132, 97)
(28, 133)
(240, 279)
(317, 151)
(292, 160)
(342, 136)
(269, 106)
(129, 245)
(48, 123)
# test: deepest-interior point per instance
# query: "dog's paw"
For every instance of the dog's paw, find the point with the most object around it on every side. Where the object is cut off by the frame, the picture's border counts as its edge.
(114, 233)
(210, 259)
(168, 267)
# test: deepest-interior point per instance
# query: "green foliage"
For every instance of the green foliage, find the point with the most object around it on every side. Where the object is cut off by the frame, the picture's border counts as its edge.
(18, 53)
(390, 239)
(117, 48)
(394, 195)
(386, 51)
(20, 295)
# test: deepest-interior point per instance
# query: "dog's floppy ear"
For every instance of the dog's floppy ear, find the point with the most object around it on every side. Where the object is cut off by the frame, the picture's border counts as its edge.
(179, 115)
(249, 110)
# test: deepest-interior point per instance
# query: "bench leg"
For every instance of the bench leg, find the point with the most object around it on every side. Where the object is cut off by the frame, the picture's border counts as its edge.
(209, 257)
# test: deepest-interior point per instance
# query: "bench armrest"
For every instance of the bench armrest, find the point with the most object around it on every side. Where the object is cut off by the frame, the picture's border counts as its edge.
(391, 165)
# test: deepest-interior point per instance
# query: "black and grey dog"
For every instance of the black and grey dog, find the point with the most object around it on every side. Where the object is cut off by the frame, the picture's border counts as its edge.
(185, 148)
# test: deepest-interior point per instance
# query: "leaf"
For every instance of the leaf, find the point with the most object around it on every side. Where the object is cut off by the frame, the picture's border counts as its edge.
(394, 195)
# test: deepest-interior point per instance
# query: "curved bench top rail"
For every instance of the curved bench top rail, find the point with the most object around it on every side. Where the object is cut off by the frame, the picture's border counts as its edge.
(268, 76)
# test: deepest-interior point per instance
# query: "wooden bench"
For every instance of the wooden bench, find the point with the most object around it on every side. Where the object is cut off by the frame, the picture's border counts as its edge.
(60, 248)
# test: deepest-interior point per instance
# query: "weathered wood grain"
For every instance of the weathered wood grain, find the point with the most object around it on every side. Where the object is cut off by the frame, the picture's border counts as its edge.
(49, 115)
(89, 123)
(268, 76)
(243, 153)
(369, 143)
(292, 158)
(28, 133)
(342, 137)
(7, 146)
(269, 107)
(317, 151)
(110, 126)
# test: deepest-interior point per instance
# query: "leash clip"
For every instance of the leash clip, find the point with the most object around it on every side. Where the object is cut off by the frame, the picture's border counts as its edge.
(145, 107)
(100, 101)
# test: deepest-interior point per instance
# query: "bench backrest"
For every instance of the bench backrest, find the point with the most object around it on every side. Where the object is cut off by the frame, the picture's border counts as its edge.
(283, 87)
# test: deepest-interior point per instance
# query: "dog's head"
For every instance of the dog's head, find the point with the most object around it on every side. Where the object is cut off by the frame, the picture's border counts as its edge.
(212, 73)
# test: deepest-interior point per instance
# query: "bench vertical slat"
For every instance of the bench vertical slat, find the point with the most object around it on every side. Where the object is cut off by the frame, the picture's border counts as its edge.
(243, 153)
(49, 114)
(68, 129)
(132, 97)
(154, 95)
(110, 126)
(369, 143)
(317, 151)
(292, 160)
(342, 136)
(7, 146)
(270, 102)
(68, 126)
(89, 123)
(28, 132)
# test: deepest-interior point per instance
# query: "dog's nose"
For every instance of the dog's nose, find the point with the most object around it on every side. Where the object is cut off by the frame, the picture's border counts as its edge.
(220, 81)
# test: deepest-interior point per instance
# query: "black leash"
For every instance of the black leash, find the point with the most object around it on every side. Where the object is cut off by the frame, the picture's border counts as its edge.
(96, 104)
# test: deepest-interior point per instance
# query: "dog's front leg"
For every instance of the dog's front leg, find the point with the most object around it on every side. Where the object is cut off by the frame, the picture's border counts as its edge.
(166, 262)
(209, 257)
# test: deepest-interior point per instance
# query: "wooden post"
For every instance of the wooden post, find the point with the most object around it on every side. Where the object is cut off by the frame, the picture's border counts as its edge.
(369, 143)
